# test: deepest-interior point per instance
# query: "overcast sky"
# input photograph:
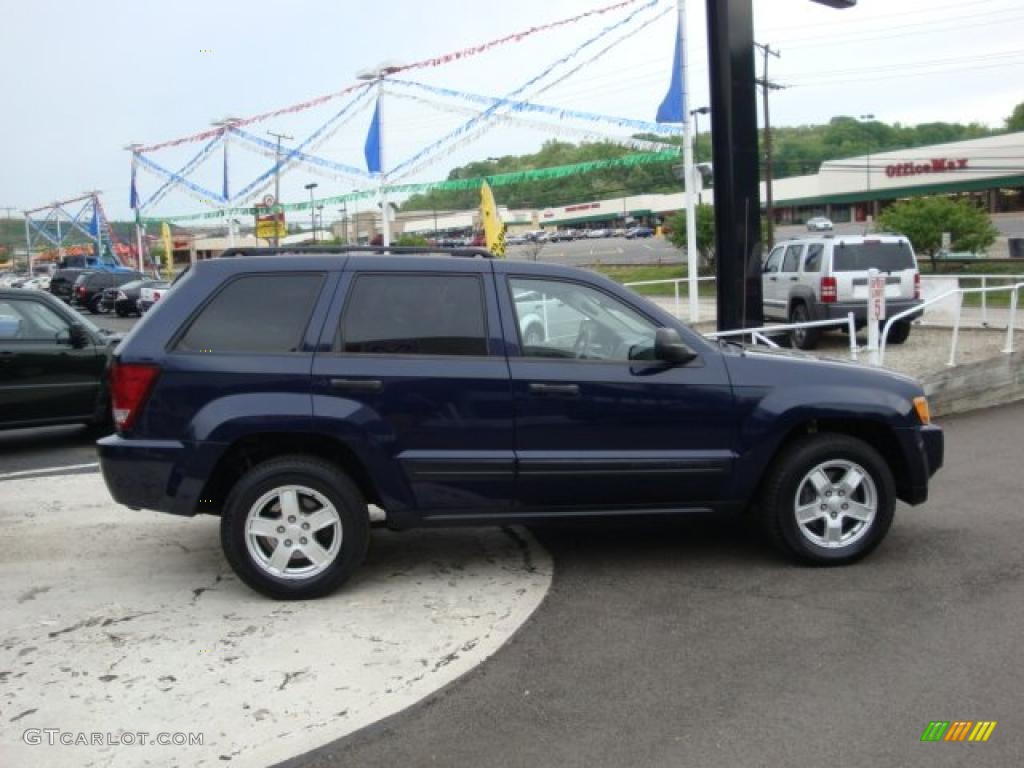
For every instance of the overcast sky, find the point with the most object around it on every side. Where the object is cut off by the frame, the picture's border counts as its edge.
(84, 79)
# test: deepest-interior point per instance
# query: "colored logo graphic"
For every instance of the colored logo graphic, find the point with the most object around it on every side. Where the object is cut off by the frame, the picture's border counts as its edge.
(958, 730)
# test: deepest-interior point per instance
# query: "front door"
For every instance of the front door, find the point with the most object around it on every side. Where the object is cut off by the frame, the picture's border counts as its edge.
(771, 289)
(599, 423)
(42, 376)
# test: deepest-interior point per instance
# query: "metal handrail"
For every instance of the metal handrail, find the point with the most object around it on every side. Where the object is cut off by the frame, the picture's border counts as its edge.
(984, 284)
(763, 331)
(675, 280)
(961, 292)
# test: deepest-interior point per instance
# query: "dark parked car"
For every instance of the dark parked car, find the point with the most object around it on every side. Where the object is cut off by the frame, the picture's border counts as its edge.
(52, 363)
(123, 299)
(87, 291)
(63, 281)
(286, 392)
(639, 232)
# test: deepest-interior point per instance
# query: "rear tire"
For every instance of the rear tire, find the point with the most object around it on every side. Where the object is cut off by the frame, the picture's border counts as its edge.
(803, 338)
(96, 307)
(828, 500)
(323, 541)
(899, 332)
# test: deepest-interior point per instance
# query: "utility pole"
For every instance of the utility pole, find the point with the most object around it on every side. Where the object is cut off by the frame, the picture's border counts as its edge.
(277, 183)
(766, 86)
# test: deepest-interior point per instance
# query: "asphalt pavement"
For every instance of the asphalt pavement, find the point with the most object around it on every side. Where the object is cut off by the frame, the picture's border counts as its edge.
(691, 644)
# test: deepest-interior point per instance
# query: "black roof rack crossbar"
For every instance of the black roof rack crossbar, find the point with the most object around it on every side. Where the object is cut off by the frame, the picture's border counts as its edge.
(396, 250)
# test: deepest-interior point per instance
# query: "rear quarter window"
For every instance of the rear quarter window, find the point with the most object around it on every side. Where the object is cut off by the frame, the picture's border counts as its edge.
(255, 314)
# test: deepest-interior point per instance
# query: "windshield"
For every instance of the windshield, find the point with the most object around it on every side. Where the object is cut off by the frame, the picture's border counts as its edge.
(860, 257)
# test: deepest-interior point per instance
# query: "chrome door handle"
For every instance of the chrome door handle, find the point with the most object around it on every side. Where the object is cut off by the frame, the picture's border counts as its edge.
(554, 389)
(357, 385)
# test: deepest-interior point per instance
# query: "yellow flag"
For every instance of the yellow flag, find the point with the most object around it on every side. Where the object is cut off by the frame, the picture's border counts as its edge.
(494, 230)
(165, 234)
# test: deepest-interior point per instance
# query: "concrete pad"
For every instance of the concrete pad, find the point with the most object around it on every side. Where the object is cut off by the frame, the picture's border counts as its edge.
(118, 622)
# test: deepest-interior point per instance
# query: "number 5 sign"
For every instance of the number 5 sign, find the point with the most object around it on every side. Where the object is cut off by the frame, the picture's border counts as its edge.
(876, 296)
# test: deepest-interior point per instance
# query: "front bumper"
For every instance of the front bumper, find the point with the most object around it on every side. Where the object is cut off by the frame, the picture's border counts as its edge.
(924, 451)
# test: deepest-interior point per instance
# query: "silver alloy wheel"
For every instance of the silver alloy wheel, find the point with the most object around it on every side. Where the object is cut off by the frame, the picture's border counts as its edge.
(835, 504)
(799, 334)
(293, 532)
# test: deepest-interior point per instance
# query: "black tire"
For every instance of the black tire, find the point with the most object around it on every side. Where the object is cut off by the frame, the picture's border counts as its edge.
(899, 332)
(804, 338)
(786, 476)
(121, 312)
(320, 476)
(96, 307)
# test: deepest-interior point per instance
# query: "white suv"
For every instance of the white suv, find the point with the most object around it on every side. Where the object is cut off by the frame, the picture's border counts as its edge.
(826, 277)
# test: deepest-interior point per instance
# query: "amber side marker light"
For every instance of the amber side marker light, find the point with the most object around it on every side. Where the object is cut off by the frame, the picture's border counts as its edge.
(921, 406)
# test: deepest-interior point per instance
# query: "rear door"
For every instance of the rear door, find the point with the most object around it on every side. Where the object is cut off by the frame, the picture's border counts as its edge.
(411, 365)
(42, 377)
(893, 257)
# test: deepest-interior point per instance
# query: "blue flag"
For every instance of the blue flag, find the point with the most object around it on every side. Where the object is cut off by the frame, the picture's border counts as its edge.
(372, 148)
(94, 225)
(133, 201)
(673, 106)
(225, 192)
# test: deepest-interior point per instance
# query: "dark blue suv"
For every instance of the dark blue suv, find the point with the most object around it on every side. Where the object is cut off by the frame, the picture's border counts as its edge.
(287, 391)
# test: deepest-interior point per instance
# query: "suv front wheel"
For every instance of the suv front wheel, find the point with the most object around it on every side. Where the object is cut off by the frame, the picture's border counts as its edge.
(294, 528)
(829, 499)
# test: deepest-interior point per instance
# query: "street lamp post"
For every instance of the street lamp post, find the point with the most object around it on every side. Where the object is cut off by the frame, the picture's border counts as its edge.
(225, 125)
(312, 208)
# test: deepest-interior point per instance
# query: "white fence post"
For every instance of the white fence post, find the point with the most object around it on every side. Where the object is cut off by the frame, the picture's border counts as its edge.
(956, 329)
(676, 284)
(851, 328)
(1008, 349)
(984, 300)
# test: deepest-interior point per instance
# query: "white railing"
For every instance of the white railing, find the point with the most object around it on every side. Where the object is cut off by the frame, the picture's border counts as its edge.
(761, 334)
(960, 293)
(675, 281)
(984, 284)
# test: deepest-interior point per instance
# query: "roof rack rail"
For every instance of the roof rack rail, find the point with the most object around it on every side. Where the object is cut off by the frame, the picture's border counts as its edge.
(393, 250)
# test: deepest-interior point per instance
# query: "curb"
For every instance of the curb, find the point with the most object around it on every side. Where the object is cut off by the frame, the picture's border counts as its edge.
(994, 381)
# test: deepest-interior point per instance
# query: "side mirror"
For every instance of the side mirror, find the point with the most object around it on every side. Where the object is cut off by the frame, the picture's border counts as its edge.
(669, 348)
(75, 336)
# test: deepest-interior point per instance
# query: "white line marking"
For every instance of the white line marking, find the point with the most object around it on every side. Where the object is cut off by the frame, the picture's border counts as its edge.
(48, 470)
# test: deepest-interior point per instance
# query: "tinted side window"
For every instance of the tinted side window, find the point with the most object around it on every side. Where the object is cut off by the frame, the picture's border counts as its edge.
(256, 313)
(404, 314)
(29, 321)
(812, 262)
(789, 264)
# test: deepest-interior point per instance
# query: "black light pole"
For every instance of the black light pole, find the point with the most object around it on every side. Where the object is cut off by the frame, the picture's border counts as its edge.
(696, 113)
(735, 159)
(312, 209)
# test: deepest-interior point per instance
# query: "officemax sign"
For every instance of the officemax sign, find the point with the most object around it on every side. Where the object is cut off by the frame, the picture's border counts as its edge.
(935, 165)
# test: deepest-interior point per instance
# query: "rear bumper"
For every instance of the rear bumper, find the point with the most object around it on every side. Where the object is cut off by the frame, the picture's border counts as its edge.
(840, 310)
(151, 474)
(924, 450)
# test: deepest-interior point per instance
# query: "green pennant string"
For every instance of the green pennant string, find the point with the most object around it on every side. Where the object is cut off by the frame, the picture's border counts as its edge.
(497, 180)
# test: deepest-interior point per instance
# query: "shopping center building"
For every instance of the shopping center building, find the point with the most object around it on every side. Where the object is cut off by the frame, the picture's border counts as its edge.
(989, 170)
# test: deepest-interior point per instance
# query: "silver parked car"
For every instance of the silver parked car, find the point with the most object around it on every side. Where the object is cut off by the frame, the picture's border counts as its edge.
(825, 278)
(819, 224)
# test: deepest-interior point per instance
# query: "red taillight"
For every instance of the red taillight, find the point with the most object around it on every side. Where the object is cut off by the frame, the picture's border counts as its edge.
(130, 385)
(829, 290)
(917, 285)
(81, 290)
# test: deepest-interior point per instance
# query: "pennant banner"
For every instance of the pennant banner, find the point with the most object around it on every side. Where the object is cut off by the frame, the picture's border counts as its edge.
(431, 62)
(489, 111)
(526, 106)
(185, 170)
(497, 180)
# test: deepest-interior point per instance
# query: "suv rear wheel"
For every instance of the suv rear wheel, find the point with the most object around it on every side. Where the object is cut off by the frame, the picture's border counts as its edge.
(803, 338)
(96, 306)
(899, 332)
(294, 528)
(829, 500)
